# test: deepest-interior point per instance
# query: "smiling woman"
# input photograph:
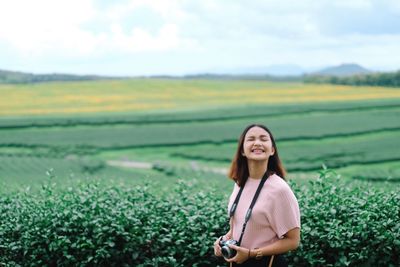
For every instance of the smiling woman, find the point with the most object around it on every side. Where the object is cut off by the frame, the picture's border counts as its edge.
(259, 235)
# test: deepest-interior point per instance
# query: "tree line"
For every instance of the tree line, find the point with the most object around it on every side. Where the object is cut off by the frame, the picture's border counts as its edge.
(16, 77)
(389, 79)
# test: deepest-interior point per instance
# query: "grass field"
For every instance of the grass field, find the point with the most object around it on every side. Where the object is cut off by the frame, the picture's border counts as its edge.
(187, 129)
(104, 172)
(143, 95)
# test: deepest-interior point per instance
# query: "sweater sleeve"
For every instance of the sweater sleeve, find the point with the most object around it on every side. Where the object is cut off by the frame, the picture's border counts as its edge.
(285, 212)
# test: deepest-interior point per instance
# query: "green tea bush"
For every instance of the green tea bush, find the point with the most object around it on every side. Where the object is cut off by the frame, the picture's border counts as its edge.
(109, 226)
(347, 225)
(94, 225)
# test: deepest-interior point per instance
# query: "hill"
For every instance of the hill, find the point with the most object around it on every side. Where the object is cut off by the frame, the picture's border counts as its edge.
(282, 73)
(385, 79)
(343, 70)
(269, 70)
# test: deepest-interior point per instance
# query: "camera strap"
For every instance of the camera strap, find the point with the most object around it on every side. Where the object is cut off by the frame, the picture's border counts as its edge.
(248, 213)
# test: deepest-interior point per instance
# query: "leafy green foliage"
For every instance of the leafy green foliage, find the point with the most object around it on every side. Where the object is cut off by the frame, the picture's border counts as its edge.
(93, 225)
(109, 226)
(346, 225)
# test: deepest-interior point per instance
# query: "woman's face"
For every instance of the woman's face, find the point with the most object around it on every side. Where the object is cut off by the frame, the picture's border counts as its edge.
(257, 144)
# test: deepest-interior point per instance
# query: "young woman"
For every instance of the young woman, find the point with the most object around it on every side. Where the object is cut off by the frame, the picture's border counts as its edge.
(273, 227)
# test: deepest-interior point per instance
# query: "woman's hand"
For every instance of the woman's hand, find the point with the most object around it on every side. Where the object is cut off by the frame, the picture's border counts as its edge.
(242, 254)
(217, 247)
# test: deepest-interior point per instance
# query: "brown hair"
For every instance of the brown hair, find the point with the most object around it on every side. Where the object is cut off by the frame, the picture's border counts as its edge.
(239, 170)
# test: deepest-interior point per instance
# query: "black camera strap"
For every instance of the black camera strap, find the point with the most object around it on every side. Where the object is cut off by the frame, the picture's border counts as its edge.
(248, 213)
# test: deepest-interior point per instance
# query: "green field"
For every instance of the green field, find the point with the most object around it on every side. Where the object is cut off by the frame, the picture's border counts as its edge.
(169, 95)
(123, 173)
(191, 128)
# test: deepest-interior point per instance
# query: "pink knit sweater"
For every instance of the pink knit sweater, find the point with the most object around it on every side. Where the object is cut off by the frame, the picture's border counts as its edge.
(275, 212)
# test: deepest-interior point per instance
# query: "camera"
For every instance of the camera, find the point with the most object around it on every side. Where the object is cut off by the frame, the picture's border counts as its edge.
(226, 251)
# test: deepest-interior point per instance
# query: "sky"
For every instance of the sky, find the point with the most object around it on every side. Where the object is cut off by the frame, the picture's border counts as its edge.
(177, 37)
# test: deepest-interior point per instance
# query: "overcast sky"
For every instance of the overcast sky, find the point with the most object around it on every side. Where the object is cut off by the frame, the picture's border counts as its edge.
(145, 37)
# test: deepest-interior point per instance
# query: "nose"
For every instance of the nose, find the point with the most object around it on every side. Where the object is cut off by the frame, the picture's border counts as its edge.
(257, 142)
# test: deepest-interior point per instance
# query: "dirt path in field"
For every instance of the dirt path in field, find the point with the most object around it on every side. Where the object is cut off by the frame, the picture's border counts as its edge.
(130, 164)
(149, 165)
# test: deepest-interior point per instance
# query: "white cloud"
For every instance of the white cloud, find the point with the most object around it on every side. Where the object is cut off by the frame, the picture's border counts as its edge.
(354, 4)
(48, 27)
(141, 40)
(166, 9)
(208, 33)
(33, 27)
(393, 6)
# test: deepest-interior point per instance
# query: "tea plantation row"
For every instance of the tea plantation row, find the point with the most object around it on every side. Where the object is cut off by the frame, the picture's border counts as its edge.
(185, 116)
(292, 127)
(93, 225)
(309, 155)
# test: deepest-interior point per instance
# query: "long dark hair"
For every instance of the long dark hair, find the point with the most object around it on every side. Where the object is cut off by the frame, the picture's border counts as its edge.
(239, 170)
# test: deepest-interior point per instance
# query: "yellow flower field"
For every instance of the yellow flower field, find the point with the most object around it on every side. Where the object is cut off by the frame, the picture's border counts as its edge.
(169, 94)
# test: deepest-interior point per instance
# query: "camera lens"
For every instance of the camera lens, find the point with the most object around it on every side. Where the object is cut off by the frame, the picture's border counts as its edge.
(227, 252)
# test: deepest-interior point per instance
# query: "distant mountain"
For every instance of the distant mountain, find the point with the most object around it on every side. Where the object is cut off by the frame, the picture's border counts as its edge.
(271, 70)
(282, 72)
(23, 77)
(342, 70)
(254, 77)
